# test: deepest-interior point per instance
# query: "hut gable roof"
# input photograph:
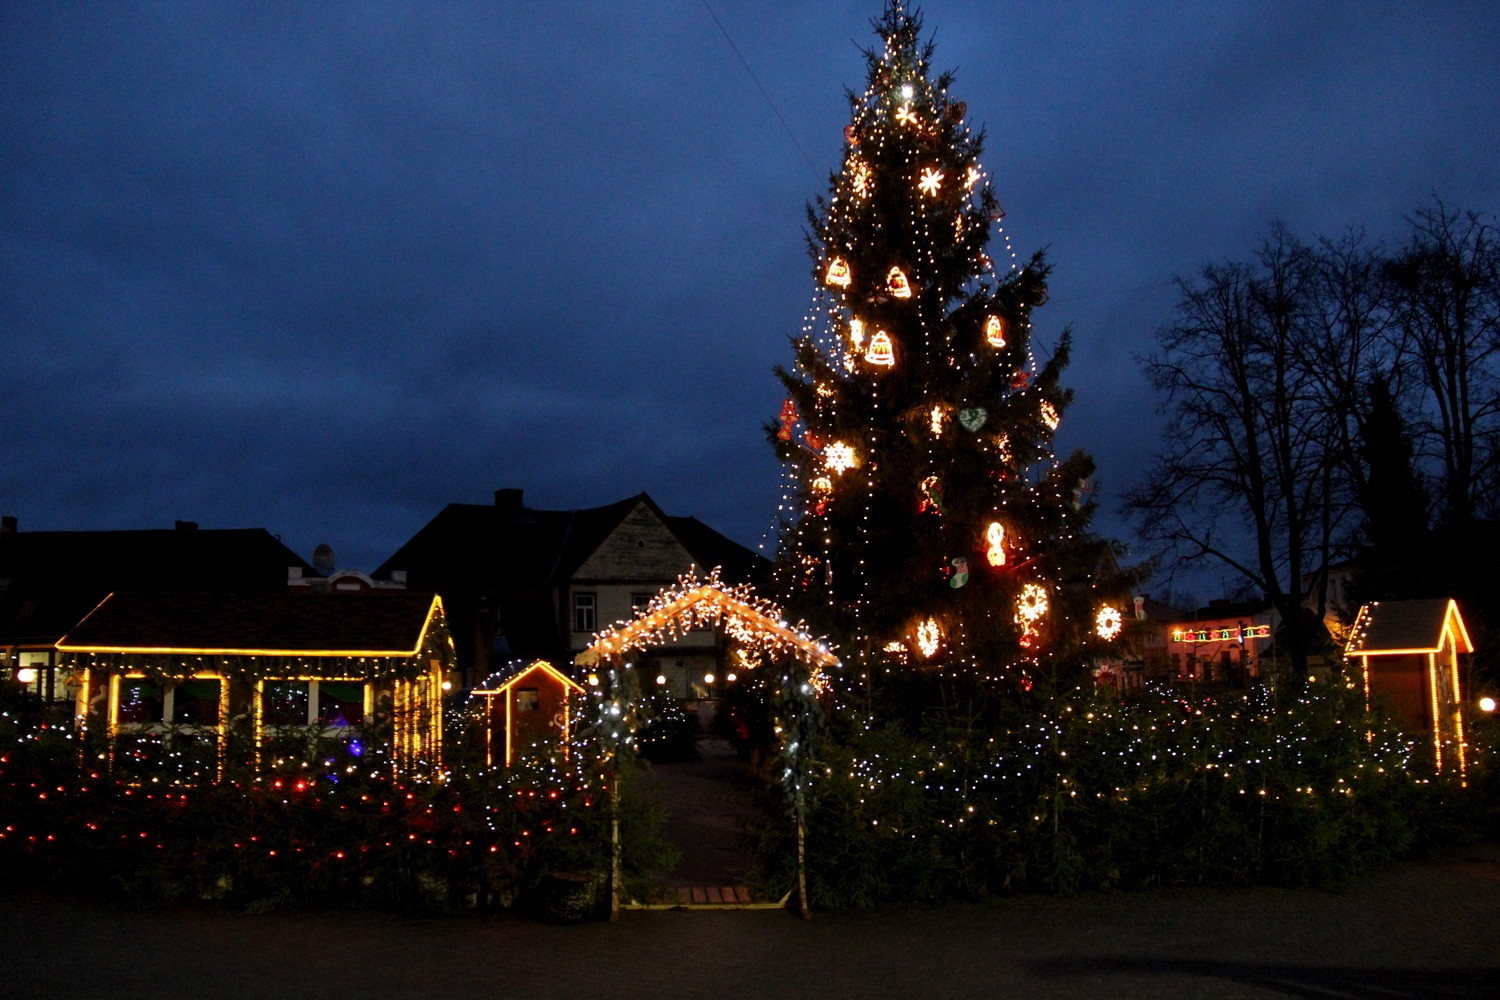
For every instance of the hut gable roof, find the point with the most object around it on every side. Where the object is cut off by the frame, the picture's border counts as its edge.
(506, 679)
(1417, 626)
(372, 623)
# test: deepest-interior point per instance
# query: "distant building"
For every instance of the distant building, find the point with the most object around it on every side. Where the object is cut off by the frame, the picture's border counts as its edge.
(530, 584)
(1224, 642)
(49, 580)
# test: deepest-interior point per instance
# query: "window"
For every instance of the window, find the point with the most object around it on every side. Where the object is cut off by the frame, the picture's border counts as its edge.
(143, 702)
(528, 699)
(584, 612)
(639, 602)
(335, 704)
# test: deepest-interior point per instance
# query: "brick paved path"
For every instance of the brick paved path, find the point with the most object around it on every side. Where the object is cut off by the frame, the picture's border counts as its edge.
(1429, 929)
(705, 801)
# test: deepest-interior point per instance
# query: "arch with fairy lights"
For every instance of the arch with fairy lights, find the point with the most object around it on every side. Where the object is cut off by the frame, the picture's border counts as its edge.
(756, 628)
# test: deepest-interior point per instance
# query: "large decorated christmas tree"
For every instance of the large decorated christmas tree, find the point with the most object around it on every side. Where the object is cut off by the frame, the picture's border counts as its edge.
(927, 521)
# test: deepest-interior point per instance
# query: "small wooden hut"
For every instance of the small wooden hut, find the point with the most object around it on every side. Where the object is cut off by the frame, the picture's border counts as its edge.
(1408, 653)
(526, 707)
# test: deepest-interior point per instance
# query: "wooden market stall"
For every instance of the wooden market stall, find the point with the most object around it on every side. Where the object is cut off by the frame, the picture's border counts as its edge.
(1408, 653)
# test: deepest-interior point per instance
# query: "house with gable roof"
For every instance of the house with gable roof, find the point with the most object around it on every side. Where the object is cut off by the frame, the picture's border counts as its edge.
(522, 583)
(50, 580)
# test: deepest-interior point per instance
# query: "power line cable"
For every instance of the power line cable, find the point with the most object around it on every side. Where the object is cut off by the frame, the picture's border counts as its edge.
(756, 80)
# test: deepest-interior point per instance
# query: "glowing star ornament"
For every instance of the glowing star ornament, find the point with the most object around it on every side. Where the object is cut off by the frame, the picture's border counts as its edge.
(897, 285)
(839, 457)
(970, 178)
(1108, 623)
(838, 273)
(1031, 604)
(1050, 416)
(995, 536)
(936, 419)
(860, 181)
(905, 116)
(929, 636)
(994, 332)
(881, 351)
(930, 182)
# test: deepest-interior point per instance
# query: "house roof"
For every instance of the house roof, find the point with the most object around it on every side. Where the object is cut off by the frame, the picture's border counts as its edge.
(50, 579)
(1417, 626)
(506, 679)
(366, 623)
(514, 555)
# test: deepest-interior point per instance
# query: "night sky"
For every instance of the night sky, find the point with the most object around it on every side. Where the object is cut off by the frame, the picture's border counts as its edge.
(324, 268)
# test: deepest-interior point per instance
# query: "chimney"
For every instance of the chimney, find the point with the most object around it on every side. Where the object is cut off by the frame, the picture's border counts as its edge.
(187, 525)
(8, 524)
(323, 558)
(508, 501)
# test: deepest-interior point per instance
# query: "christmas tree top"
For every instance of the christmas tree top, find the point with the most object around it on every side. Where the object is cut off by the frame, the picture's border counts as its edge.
(926, 514)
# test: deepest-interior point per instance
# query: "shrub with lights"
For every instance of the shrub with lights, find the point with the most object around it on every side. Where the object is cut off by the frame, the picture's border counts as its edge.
(316, 820)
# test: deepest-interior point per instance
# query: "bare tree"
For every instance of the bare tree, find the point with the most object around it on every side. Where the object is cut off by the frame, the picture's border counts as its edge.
(1250, 474)
(1445, 286)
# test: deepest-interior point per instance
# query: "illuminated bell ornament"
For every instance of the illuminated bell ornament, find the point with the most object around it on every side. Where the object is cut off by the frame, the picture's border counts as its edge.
(789, 417)
(897, 285)
(973, 418)
(881, 351)
(838, 273)
(994, 332)
(995, 536)
(960, 573)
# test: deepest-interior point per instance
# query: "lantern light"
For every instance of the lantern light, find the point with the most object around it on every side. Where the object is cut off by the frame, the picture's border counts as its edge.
(1486, 704)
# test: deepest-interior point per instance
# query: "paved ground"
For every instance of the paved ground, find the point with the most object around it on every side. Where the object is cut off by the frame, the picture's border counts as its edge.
(1426, 929)
(705, 800)
(1429, 929)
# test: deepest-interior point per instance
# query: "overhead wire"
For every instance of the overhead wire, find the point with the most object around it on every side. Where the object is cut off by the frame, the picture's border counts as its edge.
(756, 80)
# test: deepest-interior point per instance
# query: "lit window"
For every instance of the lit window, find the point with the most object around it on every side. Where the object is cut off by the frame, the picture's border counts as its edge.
(528, 699)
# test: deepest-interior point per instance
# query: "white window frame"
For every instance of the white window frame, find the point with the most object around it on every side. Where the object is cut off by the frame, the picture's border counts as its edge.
(586, 601)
